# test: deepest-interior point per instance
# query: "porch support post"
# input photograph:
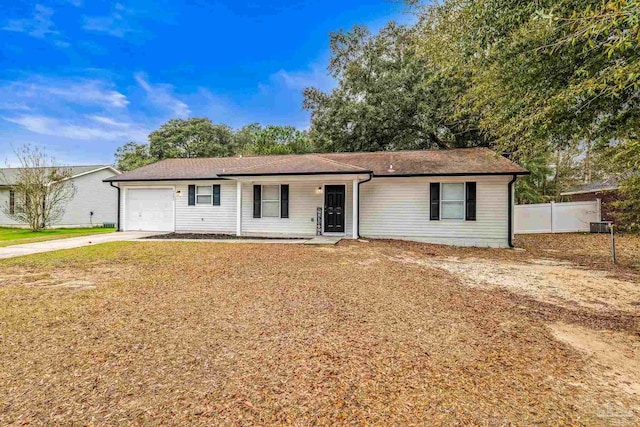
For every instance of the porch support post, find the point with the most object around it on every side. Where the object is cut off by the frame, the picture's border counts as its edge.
(238, 208)
(355, 208)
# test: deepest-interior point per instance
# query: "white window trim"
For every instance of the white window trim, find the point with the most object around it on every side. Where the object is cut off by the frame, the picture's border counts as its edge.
(210, 195)
(262, 200)
(464, 201)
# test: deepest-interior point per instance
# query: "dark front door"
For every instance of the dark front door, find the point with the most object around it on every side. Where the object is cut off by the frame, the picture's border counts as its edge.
(334, 209)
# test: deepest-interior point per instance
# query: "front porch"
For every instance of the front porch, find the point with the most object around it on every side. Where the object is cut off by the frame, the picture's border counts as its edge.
(298, 206)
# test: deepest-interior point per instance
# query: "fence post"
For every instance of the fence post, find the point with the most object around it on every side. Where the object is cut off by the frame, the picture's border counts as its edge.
(613, 244)
(552, 228)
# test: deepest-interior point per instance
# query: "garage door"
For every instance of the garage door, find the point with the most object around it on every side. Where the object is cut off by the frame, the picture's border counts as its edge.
(149, 209)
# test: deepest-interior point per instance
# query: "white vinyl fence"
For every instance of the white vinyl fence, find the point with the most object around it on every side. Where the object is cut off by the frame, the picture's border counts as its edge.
(556, 217)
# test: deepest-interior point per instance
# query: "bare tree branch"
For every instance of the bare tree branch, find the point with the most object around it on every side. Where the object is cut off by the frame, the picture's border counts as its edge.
(41, 189)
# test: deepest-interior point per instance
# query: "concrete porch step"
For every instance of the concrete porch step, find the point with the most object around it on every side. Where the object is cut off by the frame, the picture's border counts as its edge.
(323, 240)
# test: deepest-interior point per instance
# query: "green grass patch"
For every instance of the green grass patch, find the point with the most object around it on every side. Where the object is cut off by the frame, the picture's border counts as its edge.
(17, 236)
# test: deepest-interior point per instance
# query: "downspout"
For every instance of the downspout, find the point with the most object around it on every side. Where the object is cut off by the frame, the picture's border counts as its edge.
(510, 212)
(359, 183)
(118, 216)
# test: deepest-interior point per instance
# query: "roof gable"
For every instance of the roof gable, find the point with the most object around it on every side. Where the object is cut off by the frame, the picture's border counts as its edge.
(608, 184)
(9, 176)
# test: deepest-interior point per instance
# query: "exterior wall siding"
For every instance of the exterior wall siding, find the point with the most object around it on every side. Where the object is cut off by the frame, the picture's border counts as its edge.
(303, 204)
(398, 208)
(4, 204)
(91, 195)
(197, 219)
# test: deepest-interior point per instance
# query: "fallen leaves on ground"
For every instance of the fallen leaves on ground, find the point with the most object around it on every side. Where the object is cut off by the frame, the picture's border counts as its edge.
(201, 334)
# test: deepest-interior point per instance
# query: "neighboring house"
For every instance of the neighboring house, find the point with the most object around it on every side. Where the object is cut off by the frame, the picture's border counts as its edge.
(95, 202)
(606, 191)
(460, 196)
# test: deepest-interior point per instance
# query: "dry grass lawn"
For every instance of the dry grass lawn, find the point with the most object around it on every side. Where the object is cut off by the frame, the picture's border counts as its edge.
(373, 333)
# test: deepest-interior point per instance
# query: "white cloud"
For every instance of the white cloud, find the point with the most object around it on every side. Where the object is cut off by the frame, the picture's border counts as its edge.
(108, 121)
(69, 108)
(96, 129)
(90, 92)
(116, 24)
(32, 92)
(314, 76)
(162, 96)
(40, 26)
(14, 106)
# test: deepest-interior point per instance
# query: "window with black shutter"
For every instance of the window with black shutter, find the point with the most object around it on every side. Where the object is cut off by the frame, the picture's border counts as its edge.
(434, 206)
(257, 201)
(216, 195)
(470, 208)
(192, 195)
(284, 201)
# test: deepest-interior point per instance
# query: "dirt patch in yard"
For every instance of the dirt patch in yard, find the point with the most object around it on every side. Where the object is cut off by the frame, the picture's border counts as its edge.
(612, 364)
(591, 251)
(616, 353)
(201, 334)
(560, 283)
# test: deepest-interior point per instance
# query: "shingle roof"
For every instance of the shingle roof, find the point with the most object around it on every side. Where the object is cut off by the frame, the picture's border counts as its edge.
(608, 184)
(8, 176)
(462, 161)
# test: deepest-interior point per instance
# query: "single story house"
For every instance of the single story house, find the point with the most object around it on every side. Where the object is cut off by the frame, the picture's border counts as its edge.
(94, 202)
(458, 196)
(607, 191)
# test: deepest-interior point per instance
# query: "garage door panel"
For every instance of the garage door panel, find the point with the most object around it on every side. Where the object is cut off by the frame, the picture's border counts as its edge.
(150, 209)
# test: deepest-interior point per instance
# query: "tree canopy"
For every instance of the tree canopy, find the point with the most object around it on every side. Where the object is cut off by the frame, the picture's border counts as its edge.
(200, 137)
(556, 84)
(195, 137)
(389, 97)
(255, 139)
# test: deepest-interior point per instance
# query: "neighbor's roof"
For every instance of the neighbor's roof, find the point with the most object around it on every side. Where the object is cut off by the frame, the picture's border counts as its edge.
(9, 176)
(608, 184)
(461, 161)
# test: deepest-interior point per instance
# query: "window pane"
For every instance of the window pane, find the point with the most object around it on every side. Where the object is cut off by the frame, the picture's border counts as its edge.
(271, 209)
(204, 190)
(270, 192)
(453, 191)
(203, 200)
(452, 210)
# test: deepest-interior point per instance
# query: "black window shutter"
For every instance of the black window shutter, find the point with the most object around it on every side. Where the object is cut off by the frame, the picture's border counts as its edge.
(192, 195)
(257, 201)
(471, 201)
(216, 195)
(284, 201)
(434, 206)
(12, 202)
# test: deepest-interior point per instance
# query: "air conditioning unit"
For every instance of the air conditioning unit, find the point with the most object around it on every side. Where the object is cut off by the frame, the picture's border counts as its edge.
(600, 227)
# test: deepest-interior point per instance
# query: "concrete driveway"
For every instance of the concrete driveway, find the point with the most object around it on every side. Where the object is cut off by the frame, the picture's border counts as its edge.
(70, 243)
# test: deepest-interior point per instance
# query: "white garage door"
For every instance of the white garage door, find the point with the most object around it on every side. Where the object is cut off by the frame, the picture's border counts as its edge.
(150, 209)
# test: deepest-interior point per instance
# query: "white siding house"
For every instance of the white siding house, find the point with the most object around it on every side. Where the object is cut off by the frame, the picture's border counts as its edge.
(94, 202)
(423, 196)
(405, 212)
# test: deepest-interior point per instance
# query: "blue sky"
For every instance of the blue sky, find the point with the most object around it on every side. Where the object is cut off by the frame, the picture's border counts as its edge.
(83, 77)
